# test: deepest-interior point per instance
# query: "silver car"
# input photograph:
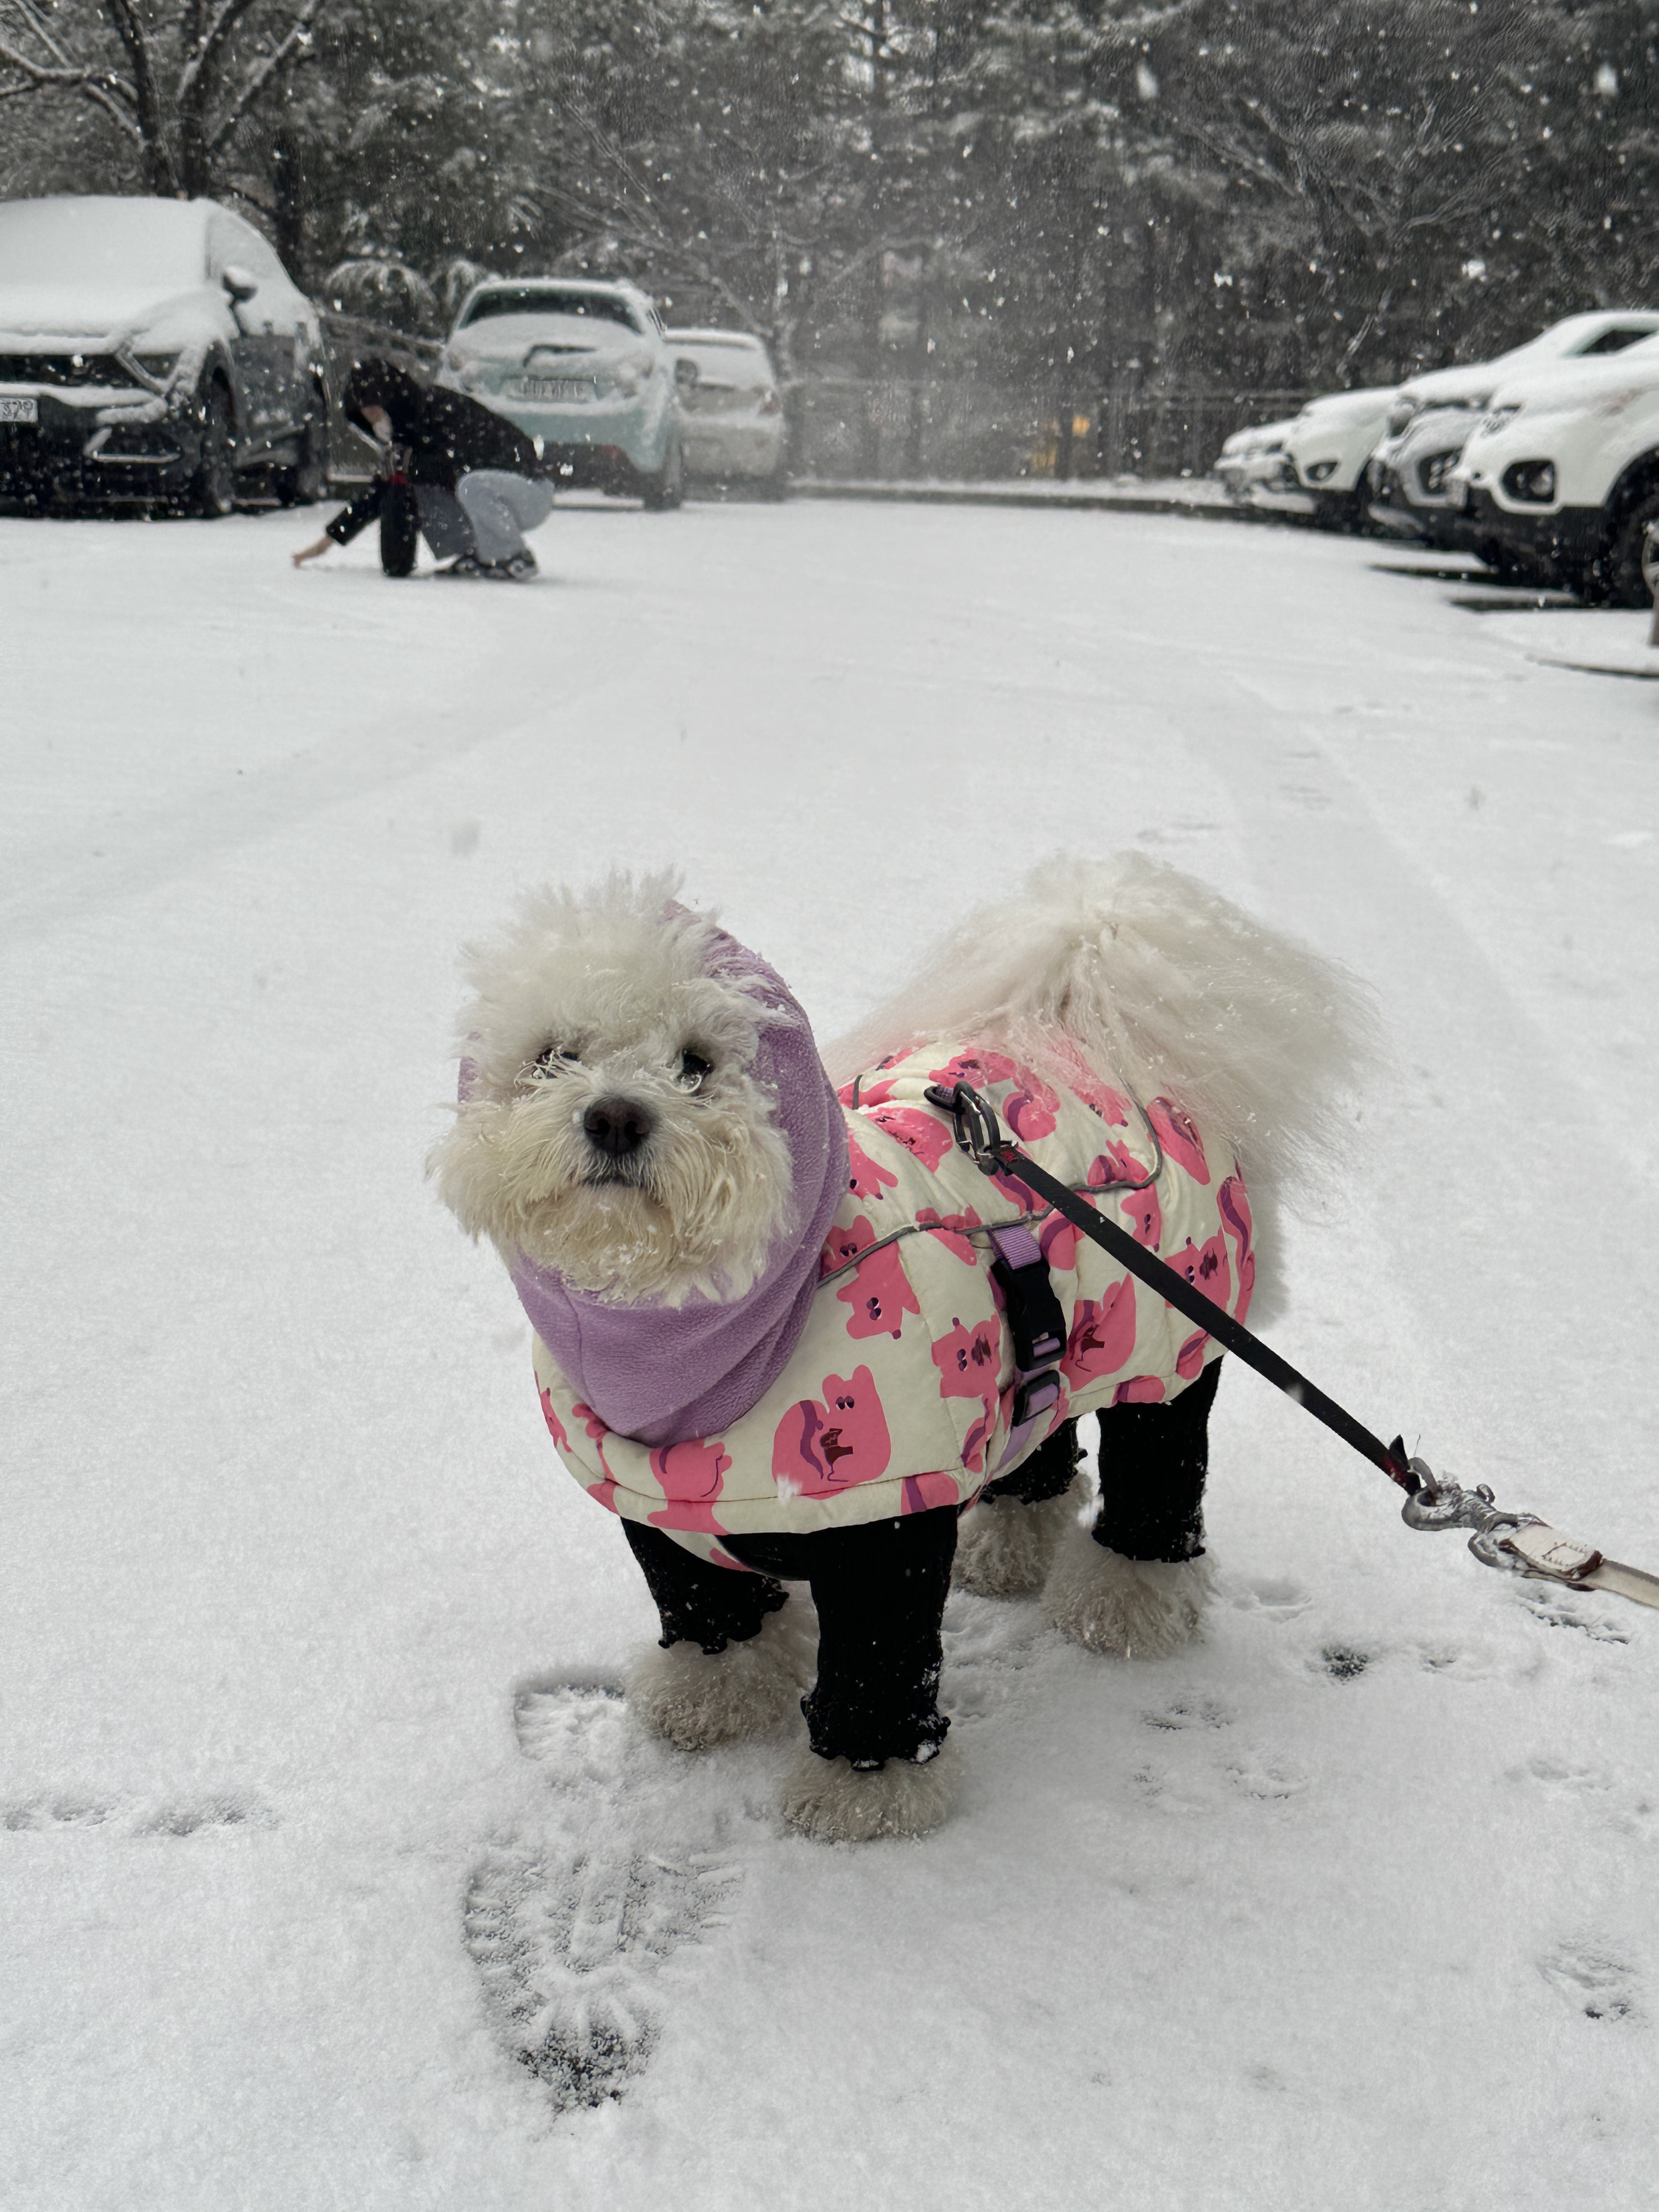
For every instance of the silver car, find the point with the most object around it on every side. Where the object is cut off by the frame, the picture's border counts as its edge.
(734, 420)
(583, 368)
(154, 352)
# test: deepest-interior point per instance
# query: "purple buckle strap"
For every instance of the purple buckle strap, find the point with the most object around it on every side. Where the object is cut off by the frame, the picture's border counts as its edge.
(1036, 1322)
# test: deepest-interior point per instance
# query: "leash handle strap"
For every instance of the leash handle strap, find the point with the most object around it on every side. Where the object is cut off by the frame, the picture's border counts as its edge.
(979, 1135)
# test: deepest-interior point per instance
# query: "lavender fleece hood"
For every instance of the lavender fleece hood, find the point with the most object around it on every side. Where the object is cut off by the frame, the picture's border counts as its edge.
(662, 1374)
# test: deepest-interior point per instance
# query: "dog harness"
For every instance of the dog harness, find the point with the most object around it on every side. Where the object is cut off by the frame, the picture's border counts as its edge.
(958, 1319)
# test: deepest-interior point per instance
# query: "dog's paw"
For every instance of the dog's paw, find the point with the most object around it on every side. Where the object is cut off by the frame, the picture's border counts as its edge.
(833, 1803)
(1006, 1547)
(697, 1700)
(1127, 1609)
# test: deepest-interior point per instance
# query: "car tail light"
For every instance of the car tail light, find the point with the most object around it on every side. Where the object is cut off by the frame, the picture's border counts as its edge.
(770, 403)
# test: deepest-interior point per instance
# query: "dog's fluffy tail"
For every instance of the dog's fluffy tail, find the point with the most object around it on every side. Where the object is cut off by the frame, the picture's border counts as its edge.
(1167, 988)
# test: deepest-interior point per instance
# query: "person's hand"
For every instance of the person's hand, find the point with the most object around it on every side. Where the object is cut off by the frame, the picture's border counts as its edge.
(312, 552)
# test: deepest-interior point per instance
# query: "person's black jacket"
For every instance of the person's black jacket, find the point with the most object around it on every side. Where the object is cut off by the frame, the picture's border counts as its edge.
(441, 435)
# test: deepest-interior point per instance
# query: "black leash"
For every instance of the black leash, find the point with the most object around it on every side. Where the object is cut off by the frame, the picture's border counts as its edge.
(979, 1133)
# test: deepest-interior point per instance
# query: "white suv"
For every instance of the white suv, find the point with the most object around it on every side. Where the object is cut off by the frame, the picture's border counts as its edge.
(1326, 450)
(1410, 473)
(1561, 477)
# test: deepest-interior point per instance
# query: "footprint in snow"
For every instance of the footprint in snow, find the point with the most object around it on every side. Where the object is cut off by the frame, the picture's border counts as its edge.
(136, 1817)
(570, 1929)
(1596, 1980)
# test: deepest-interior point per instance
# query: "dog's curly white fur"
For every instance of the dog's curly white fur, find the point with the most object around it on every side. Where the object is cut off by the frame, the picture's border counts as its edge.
(1123, 1608)
(834, 1803)
(583, 1001)
(698, 1700)
(1004, 1547)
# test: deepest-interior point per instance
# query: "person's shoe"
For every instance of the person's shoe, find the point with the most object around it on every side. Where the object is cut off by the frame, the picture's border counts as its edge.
(468, 565)
(519, 566)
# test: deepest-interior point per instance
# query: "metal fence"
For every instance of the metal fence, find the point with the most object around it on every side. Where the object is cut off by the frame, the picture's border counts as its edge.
(964, 430)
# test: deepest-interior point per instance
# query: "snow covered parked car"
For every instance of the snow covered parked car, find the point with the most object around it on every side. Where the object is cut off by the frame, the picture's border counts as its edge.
(1326, 450)
(734, 425)
(583, 368)
(1433, 414)
(1560, 479)
(1250, 457)
(152, 351)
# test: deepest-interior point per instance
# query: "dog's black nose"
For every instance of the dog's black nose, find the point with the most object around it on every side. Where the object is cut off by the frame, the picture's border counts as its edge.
(617, 1126)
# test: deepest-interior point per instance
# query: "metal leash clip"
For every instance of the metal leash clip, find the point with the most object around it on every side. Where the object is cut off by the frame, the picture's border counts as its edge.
(979, 1133)
(1499, 1539)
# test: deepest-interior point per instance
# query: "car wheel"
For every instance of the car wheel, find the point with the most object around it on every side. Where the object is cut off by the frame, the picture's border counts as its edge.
(306, 482)
(667, 488)
(213, 488)
(400, 531)
(1630, 567)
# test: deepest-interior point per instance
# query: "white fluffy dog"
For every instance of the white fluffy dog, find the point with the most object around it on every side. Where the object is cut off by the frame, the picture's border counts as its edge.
(649, 1139)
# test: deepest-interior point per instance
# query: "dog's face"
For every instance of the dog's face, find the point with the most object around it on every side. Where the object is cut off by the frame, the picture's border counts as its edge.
(615, 1130)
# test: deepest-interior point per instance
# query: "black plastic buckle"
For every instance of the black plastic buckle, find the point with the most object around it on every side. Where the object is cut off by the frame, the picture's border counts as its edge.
(1036, 1319)
(1028, 1404)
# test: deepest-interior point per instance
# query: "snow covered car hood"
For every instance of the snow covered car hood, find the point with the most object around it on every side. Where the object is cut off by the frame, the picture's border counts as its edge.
(1339, 409)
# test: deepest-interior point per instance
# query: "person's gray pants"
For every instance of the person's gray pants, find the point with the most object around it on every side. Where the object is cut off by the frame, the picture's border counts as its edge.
(501, 506)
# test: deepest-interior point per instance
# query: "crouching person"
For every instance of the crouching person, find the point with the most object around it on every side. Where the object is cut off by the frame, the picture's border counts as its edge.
(450, 471)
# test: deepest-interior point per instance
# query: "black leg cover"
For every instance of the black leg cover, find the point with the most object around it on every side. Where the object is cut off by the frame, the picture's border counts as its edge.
(711, 1607)
(1048, 1473)
(880, 1590)
(1153, 1462)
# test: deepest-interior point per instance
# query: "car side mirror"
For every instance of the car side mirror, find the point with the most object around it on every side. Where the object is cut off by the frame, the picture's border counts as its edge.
(686, 374)
(238, 282)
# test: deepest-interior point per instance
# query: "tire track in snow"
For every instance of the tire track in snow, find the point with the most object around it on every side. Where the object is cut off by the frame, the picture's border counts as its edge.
(484, 702)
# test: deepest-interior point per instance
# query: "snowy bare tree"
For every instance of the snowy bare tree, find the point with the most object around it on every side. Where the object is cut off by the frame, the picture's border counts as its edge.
(175, 81)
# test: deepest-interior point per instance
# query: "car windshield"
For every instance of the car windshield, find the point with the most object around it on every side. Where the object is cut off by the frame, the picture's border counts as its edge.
(541, 300)
(136, 245)
(1615, 341)
(725, 364)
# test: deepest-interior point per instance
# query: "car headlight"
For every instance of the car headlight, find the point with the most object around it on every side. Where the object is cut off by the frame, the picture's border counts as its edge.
(1319, 471)
(1495, 418)
(1532, 482)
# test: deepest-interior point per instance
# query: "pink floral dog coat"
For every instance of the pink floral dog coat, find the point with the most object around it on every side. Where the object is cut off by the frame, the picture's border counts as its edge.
(898, 1394)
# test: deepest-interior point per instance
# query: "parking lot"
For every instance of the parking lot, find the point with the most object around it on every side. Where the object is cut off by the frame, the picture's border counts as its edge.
(285, 1531)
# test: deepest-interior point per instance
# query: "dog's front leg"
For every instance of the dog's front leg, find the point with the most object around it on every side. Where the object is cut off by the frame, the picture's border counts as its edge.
(734, 1655)
(878, 1765)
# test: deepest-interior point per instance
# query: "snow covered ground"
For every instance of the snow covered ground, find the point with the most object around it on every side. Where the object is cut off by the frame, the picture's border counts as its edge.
(309, 1774)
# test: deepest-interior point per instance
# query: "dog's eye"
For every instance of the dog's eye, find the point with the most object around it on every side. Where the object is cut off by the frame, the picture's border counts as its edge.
(552, 1057)
(693, 1068)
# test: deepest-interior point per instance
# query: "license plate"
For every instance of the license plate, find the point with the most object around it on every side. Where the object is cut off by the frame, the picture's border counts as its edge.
(547, 387)
(19, 410)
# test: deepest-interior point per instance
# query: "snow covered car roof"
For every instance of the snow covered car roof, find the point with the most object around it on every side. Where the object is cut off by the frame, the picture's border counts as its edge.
(96, 263)
(730, 357)
(1585, 380)
(1596, 336)
(103, 270)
